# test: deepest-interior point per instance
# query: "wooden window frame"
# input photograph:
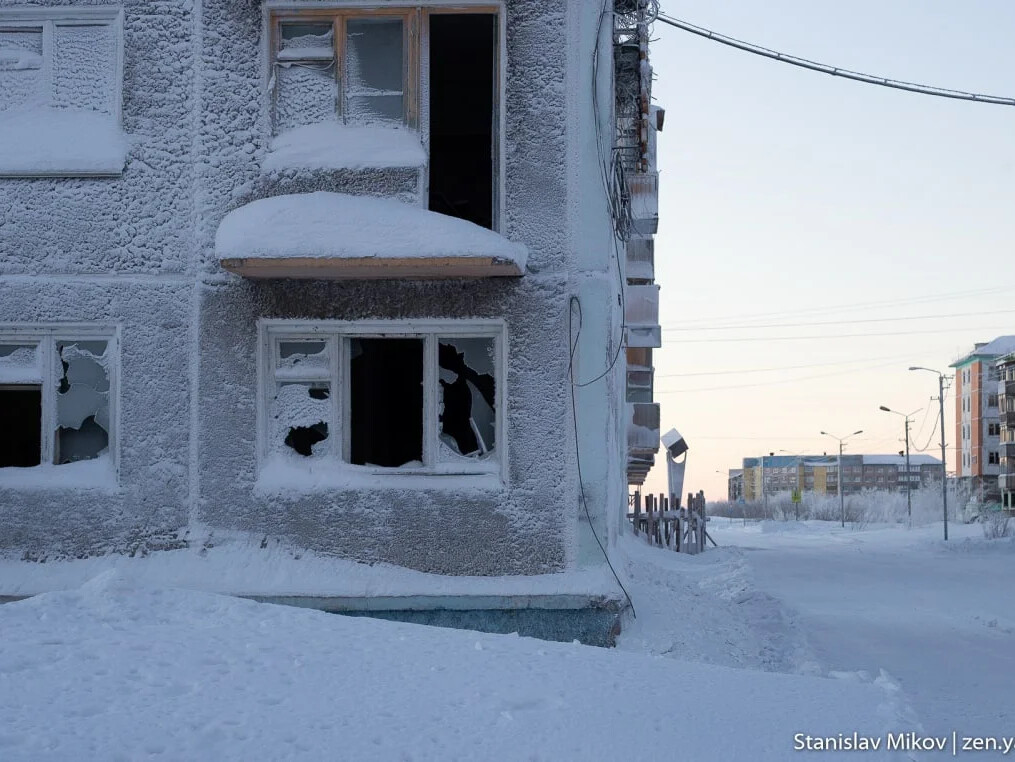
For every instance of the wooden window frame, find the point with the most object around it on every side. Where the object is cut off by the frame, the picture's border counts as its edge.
(337, 333)
(417, 63)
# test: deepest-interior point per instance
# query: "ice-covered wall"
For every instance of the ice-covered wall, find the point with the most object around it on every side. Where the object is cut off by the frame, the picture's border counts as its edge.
(116, 252)
(529, 524)
(188, 444)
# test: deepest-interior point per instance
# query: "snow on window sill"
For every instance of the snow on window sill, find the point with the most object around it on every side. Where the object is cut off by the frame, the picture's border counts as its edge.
(96, 474)
(60, 142)
(330, 145)
(279, 474)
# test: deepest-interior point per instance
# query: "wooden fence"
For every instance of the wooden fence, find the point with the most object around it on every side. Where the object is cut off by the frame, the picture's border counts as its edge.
(664, 522)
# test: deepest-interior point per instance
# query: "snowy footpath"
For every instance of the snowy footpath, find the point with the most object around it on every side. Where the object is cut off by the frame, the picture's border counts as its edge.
(738, 654)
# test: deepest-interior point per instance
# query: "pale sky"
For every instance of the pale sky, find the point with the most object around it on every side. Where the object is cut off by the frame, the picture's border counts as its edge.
(792, 197)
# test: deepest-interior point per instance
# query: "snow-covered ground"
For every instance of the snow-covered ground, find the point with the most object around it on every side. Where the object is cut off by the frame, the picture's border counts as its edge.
(784, 630)
(938, 617)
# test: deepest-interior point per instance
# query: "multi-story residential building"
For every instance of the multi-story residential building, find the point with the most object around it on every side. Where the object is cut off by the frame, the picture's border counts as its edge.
(1006, 420)
(343, 275)
(819, 474)
(977, 425)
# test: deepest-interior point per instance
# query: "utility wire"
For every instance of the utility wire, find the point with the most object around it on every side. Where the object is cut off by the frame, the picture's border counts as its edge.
(833, 322)
(853, 306)
(835, 71)
(763, 339)
(738, 371)
(775, 383)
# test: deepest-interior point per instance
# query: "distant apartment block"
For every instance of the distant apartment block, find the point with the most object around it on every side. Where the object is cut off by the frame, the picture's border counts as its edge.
(1006, 421)
(819, 474)
(735, 485)
(977, 422)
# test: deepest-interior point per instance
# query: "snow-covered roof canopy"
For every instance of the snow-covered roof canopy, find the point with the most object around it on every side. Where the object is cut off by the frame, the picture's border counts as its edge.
(337, 236)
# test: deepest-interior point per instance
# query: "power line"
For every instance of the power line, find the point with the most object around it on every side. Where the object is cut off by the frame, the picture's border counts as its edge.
(738, 371)
(832, 322)
(826, 337)
(853, 306)
(835, 71)
(774, 383)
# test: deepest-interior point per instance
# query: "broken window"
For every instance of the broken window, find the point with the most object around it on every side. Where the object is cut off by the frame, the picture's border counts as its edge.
(54, 399)
(386, 401)
(366, 67)
(301, 405)
(467, 396)
(82, 401)
(410, 400)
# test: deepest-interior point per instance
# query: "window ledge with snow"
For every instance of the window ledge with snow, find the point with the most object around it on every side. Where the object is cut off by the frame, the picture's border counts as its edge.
(337, 236)
(281, 475)
(60, 142)
(330, 145)
(95, 474)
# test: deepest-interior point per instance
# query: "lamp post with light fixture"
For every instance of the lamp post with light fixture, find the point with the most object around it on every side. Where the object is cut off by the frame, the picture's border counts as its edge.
(909, 497)
(944, 466)
(842, 501)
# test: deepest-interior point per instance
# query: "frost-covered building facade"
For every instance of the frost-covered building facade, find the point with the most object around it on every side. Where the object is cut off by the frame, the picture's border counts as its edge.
(339, 275)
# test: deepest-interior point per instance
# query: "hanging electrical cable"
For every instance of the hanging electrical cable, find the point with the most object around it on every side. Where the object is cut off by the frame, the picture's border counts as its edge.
(835, 71)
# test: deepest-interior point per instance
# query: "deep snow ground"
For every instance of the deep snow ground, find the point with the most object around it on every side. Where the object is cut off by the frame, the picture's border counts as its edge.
(939, 618)
(122, 668)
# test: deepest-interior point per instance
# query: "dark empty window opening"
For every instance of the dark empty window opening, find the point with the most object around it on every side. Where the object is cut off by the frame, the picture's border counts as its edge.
(20, 426)
(462, 113)
(467, 395)
(386, 401)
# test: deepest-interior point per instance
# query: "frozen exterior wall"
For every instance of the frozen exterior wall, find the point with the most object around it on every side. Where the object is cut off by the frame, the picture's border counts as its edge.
(138, 252)
(529, 524)
(115, 252)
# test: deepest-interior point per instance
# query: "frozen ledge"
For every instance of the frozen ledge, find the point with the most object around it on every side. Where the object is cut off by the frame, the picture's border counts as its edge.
(330, 145)
(60, 142)
(337, 236)
(96, 474)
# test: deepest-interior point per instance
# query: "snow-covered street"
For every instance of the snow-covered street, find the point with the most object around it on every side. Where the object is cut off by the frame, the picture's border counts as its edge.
(938, 618)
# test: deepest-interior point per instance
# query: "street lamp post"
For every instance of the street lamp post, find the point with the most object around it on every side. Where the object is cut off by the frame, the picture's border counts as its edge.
(944, 467)
(909, 497)
(842, 500)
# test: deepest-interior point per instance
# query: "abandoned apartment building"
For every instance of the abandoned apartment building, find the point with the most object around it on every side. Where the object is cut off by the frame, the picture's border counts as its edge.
(346, 277)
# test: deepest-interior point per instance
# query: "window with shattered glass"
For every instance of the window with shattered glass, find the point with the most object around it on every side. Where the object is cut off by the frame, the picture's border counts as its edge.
(301, 405)
(401, 399)
(55, 398)
(347, 66)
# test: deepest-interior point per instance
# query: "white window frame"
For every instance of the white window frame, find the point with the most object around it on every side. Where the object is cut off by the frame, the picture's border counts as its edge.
(46, 336)
(47, 19)
(270, 331)
(420, 68)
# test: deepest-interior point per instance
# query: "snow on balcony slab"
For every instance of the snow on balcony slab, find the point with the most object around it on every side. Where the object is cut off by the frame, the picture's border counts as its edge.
(336, 236)
(51, 141)
(330, 145)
